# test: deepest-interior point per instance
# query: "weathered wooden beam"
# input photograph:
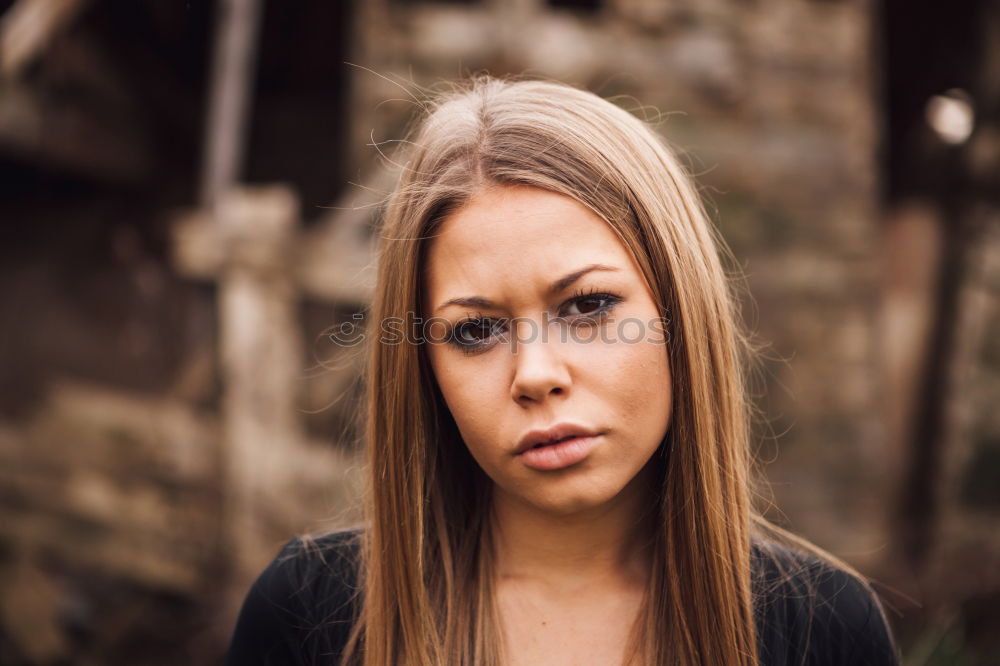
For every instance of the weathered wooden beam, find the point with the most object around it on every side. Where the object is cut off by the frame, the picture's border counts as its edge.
(260, 350)
(332, 262)
(28, 27)
(231, 91)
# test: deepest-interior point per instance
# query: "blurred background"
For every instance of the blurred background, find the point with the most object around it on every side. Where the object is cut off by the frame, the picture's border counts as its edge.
(188, 198)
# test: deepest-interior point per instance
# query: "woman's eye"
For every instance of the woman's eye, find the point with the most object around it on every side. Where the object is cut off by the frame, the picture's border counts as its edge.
(474, 332)
(590, 305)
(587, 305)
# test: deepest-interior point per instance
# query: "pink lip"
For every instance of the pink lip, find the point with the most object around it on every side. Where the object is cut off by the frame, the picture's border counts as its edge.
(580, 442)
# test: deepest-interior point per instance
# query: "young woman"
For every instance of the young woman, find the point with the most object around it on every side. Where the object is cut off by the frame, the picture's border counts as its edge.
(557, 425)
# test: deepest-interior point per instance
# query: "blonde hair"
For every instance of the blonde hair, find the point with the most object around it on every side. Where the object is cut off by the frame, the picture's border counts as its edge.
(426, 564)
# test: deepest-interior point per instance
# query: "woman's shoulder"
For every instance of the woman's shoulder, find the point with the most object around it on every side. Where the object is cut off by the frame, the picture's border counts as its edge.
(314, 568)
(302, 605)
(811, 611)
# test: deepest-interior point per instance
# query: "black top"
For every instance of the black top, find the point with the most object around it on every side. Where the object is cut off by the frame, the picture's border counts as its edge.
(300, 610)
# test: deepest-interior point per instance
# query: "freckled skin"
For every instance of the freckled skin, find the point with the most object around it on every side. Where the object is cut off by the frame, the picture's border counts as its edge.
(508, 244)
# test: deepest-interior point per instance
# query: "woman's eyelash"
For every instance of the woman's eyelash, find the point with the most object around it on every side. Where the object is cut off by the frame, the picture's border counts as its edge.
(472, 324)
(595, 294)
(476, 325)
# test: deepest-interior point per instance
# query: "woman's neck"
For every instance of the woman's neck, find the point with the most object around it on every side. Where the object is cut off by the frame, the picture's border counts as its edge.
(608, 543)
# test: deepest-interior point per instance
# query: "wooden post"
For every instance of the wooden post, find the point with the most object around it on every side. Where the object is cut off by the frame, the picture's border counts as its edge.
(263, 264)
(231, 91)
(259, 347)
(28, 27)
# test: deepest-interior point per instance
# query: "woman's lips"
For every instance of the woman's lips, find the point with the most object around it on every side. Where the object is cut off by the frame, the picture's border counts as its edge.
(561, 454)
(553, 434)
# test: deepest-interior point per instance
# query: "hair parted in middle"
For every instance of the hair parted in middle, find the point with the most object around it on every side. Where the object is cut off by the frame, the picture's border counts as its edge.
(427, 564)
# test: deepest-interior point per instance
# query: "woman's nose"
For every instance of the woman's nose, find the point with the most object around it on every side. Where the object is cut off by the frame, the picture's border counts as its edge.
(539, 368)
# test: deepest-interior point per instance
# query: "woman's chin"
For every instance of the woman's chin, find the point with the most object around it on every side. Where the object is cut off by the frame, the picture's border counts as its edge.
(569, 501)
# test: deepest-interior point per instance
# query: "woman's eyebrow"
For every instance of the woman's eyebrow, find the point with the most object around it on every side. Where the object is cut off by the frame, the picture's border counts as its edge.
(570, 278)
(554, 288)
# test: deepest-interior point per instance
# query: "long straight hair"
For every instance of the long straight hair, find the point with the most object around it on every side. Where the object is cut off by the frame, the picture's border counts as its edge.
(426, 558)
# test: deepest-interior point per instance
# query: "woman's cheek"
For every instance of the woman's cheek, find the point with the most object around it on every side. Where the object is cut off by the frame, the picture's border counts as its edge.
(474, 402)
(641, 376)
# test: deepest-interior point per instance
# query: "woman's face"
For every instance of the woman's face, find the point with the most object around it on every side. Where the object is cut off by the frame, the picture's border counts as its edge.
(540, 326)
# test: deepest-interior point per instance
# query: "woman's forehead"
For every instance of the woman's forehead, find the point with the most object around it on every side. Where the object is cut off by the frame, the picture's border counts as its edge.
(519, 236)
